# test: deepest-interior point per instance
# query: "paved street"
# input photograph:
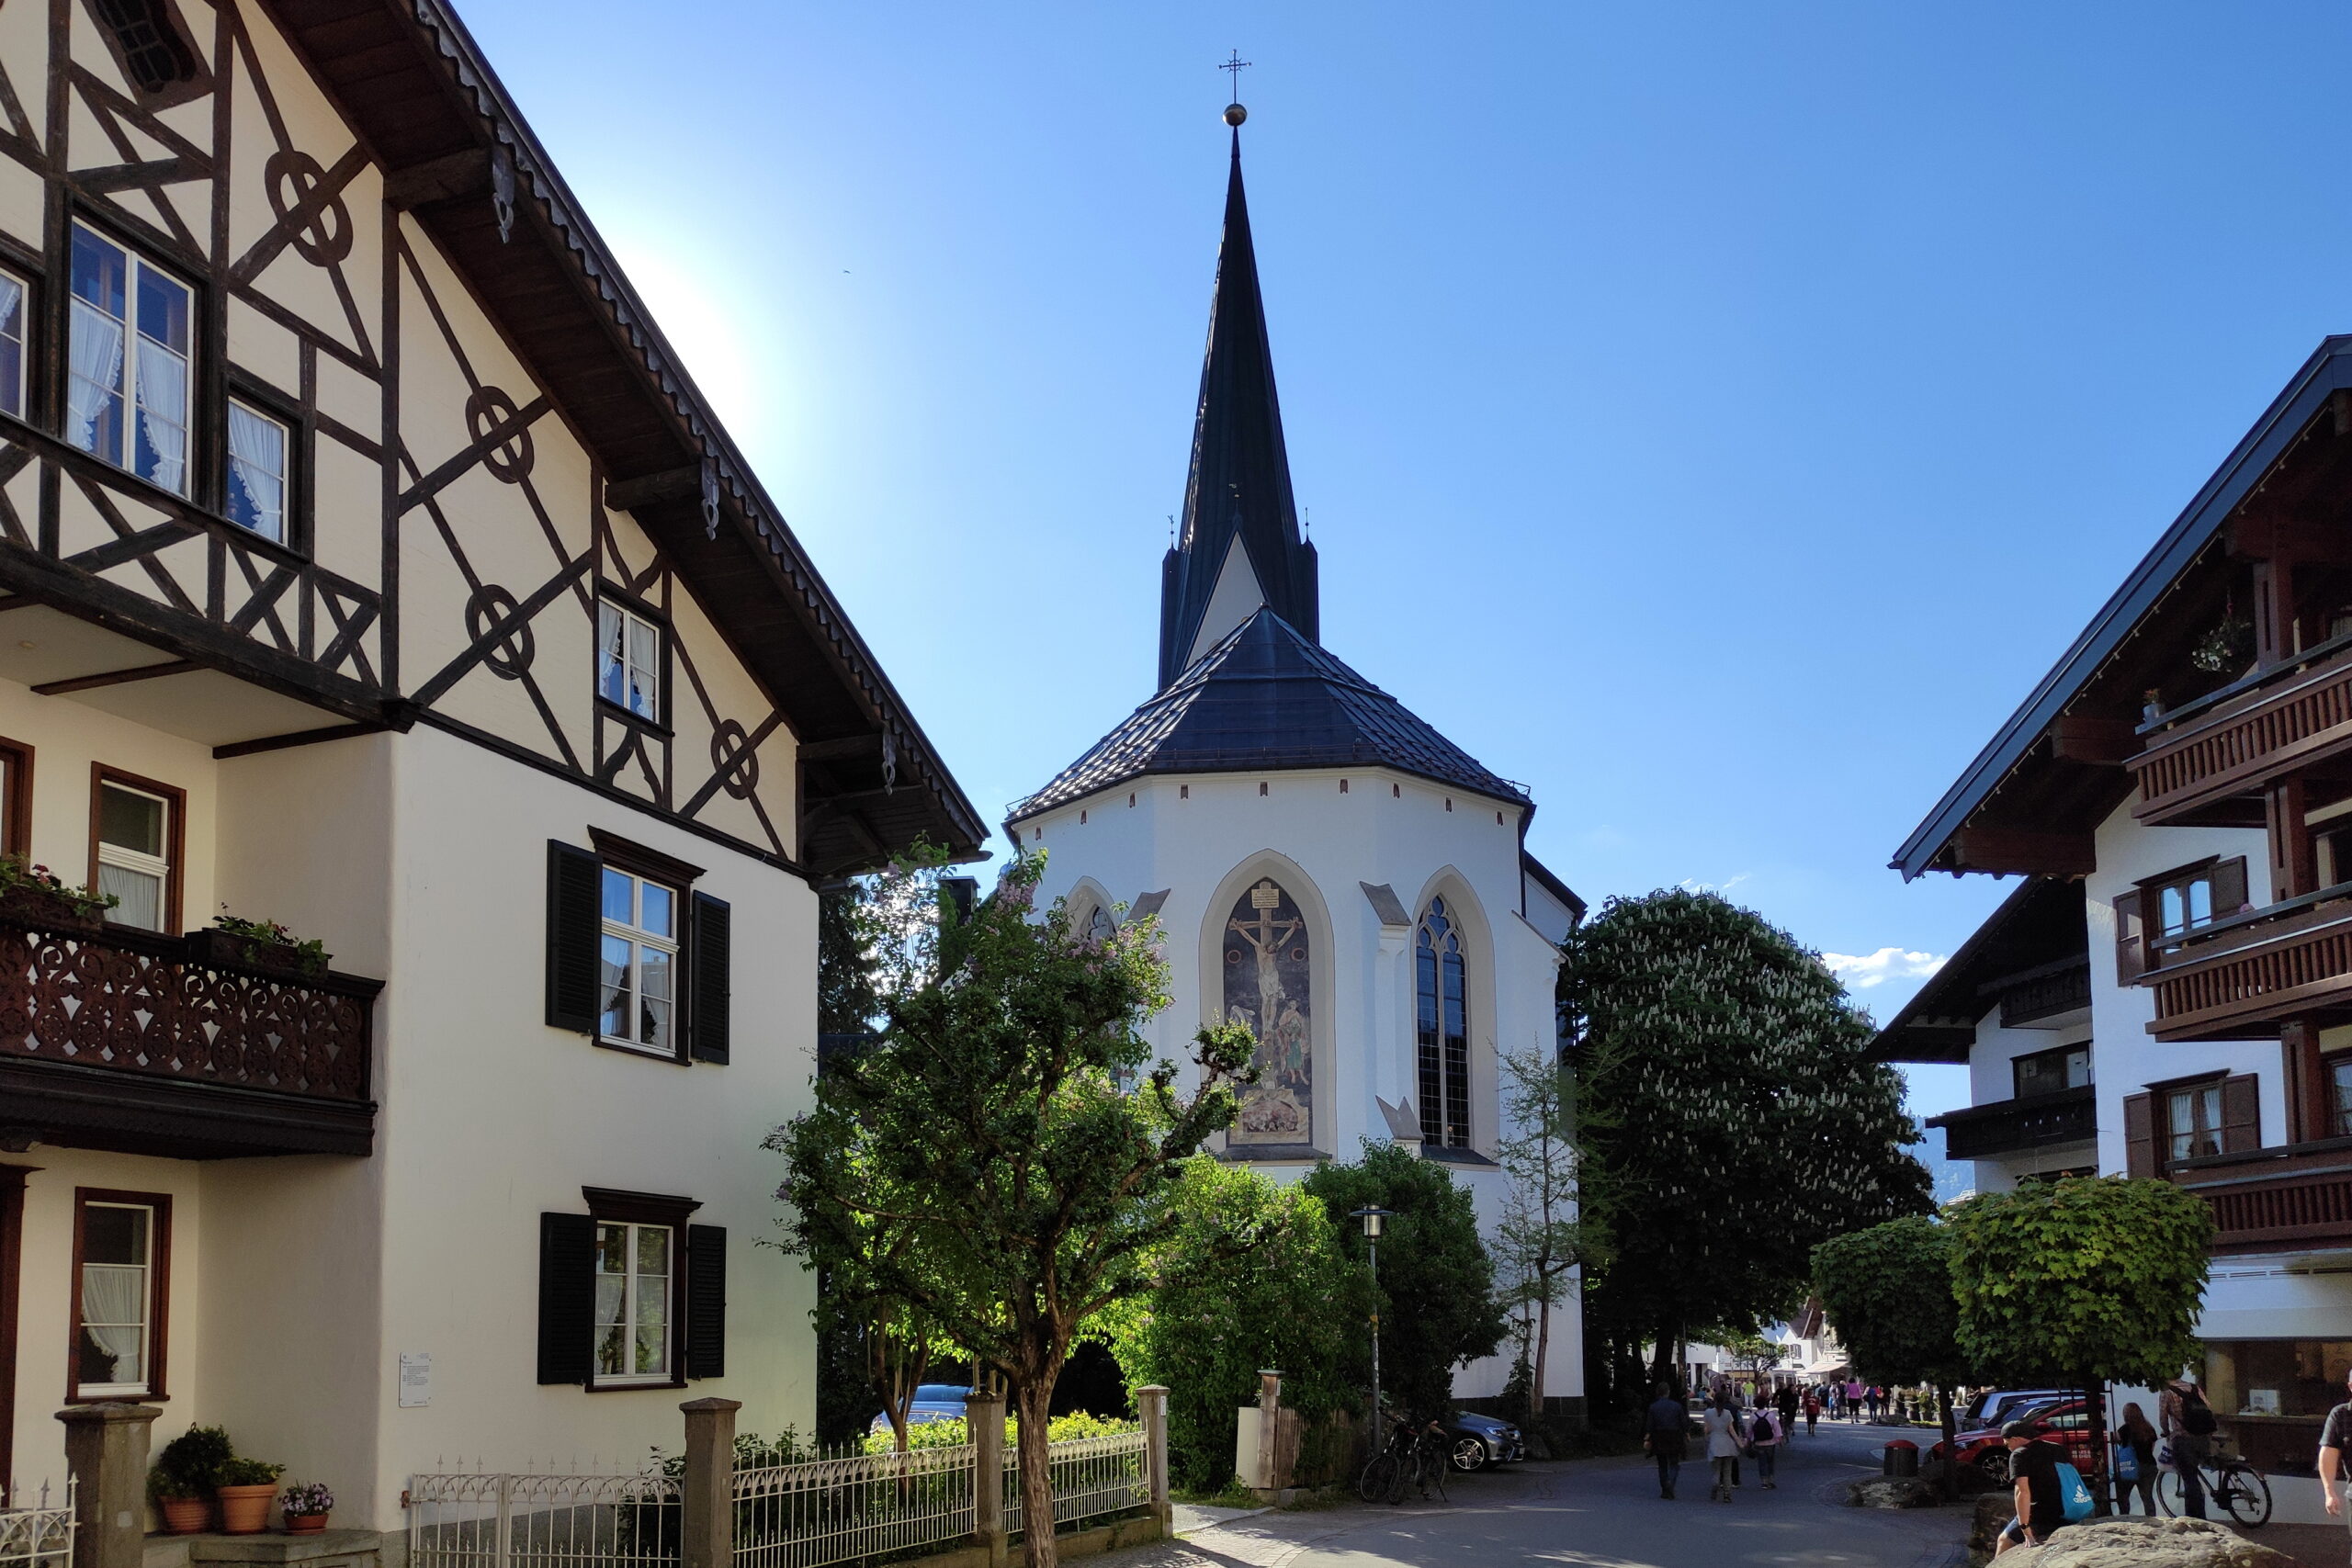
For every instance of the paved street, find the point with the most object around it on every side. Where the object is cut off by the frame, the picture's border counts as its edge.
(1599, 1514)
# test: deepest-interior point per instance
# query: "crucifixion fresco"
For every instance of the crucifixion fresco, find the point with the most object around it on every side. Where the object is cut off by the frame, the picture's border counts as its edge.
(1268, 992)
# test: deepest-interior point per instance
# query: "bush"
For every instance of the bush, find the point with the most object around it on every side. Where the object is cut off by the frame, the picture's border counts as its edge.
(190, 1464)
(956, 1432)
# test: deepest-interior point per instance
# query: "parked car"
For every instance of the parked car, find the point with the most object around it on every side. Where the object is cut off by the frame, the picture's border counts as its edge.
(933, 1401)
(1988, 1408)
(2066, 1421)
(1481, 1440)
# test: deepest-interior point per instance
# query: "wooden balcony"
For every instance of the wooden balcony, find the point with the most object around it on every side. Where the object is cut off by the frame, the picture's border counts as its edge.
(2049, 997)
(2235, 978)
(2237, 740)
(2014, 1127)
(2295, 1197)
(127, 1039)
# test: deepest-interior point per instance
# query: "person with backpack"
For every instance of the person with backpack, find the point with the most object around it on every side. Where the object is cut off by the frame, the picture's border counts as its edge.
(1764, 1439)
(2335, 1438)
(2037, 1491)
(2188, 1427)
(1666, 1432)
(2136, 1451)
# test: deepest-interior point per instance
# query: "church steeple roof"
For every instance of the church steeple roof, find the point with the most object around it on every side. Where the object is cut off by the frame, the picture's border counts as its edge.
(1239, 546)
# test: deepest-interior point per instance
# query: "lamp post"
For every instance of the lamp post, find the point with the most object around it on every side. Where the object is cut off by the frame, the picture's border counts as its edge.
(1370, 1216)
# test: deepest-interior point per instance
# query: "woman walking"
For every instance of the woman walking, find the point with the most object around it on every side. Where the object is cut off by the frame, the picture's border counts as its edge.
(2137, 1438)
(1722, 1421)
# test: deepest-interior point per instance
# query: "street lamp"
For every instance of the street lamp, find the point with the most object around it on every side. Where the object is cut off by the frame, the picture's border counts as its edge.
(1370, 1216)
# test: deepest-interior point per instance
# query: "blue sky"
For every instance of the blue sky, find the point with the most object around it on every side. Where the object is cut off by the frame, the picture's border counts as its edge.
(1716, 417)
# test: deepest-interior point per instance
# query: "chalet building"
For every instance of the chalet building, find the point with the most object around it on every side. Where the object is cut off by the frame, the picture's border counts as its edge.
(369, 564)
(2169, 992)
(1326, 867)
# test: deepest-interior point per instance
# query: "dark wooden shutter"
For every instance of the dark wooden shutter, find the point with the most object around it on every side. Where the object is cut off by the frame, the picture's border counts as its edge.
(2131, 950)
(2139, 1134)
(707, 972)
(567, 1297)
(575, 927)
(2241, 1112)
(2229, 887)
(705, 1301)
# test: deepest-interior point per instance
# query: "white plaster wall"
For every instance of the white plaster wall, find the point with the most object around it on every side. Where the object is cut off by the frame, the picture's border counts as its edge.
(1188, 835)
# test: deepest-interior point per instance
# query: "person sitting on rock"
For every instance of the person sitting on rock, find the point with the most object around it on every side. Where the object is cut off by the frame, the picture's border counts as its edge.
(2041, 1501)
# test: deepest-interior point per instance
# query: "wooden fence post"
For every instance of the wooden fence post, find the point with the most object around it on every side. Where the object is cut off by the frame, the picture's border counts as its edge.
(105, 1452)
(984, 1419)
(1152, 1400)
(1268, 1483)
(708, 1495)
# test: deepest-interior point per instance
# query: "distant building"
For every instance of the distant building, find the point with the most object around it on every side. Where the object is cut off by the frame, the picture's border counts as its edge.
(1328, 869)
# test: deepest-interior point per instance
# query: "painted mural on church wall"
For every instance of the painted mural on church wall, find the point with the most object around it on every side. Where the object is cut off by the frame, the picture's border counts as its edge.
(1267, 991)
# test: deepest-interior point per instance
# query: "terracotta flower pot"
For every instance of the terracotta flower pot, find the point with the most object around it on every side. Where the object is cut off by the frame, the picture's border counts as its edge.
(183, 1516)
(244, 1511)
(305, 1524)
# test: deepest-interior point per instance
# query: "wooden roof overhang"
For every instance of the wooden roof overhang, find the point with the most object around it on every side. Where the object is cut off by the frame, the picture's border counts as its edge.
(2037, 926)
(425, 103)
(2035, 795)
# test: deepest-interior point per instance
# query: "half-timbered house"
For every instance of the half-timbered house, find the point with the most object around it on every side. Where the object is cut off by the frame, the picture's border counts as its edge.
(369, 564)
(2170, 993)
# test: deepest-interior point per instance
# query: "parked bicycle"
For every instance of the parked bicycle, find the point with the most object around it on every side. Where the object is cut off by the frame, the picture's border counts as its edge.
(2240, 1490)
(1414, 1457)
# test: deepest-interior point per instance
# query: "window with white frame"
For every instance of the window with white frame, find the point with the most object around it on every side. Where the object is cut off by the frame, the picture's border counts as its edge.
(129, 348)
(640, 964)
(258, 449)
(633, 1272)
(629, 659)
(13, 302)
(134, 848)
(115, 1300)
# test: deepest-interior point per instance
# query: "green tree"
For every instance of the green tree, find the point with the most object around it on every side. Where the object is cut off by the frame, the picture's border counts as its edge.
(1252, 1276)
(1539, 1242)
(1888, 1291)
(1733, 1118)
(1436, 1293)
(985, 1125)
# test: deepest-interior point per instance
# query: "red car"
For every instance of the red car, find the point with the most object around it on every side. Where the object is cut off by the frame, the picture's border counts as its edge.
(2066, 1421)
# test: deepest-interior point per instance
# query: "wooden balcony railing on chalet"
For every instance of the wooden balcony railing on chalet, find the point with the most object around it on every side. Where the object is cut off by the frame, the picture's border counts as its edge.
(2014, 1127)
(2251, 732)
(2291, 1198)
(2053, 991)
(2231, 978)
(131, 1040)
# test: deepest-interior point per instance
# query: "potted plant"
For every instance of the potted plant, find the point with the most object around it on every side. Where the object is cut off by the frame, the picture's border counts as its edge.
(305, 1508)
(246, 1486)
(185, 1473)
(34, 896)
(266, 947)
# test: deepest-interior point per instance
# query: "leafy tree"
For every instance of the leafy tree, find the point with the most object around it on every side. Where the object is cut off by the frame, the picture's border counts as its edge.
(1888, 1289)
(1732, 1118)
(984, 1125)
(1539, 1240)
(1436, 1293)
(1252, 1276)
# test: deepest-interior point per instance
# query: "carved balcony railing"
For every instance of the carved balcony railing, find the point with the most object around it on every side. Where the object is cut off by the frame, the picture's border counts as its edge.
(125, 1039)
(2041, 996)
(2246, 735)
(2296, 1197)
(2013, 1126)
(2234, 978)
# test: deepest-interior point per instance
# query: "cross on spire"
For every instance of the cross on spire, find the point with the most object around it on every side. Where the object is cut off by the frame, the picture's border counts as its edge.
(1235, 66)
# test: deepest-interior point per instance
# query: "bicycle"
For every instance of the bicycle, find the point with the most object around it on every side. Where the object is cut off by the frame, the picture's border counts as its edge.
(1413, 1456)
(2242, 1490)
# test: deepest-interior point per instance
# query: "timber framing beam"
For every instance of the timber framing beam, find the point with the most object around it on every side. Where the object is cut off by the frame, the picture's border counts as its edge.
(439, 179)
(116, 677)
(2019, 852)
(647, 489)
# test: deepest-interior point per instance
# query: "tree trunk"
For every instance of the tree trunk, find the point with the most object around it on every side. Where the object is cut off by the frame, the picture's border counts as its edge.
(2102, 1482)
(1035, 1398)
(1951, 1446)
(1543, 1348)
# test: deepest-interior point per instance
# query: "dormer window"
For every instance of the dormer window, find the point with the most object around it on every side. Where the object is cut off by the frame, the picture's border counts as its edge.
(132, 344)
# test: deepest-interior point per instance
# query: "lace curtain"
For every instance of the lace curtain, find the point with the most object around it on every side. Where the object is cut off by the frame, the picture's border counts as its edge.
(257, 460)
(114, 1313)
(97, 373)
(163, 412)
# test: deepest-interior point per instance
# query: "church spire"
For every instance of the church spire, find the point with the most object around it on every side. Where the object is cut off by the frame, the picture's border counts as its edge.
(1238, 544)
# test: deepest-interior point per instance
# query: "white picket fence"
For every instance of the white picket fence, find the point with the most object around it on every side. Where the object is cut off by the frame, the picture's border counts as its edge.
(1090, 1476)
(37, 1529)
(838, 1510)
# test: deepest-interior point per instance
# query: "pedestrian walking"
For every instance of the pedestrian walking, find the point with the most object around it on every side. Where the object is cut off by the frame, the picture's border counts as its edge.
(1665, 1434)
(2333, 1472)
(2135, 1452)
(1764, 1435)
(1812, 1410)
(1722, 1448)
(2189, 1424)
(1786, 1403)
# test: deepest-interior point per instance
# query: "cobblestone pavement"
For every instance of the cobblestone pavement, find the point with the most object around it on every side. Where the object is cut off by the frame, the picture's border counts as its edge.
(1597, 1513)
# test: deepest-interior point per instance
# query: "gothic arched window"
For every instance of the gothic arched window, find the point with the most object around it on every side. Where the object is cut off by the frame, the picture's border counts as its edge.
(1444, 1018)
(1267, 991)
(1100, 927)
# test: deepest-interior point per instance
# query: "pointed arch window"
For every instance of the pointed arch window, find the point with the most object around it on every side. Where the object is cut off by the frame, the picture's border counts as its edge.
(1443, 1018)
(1269, 990)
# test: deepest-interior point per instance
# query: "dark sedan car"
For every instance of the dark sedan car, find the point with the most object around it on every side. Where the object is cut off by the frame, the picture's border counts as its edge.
(1477, 1441)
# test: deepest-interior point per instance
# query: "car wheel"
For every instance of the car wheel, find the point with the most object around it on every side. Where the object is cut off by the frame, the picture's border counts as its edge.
(1469, 1454)
(1993, 1463)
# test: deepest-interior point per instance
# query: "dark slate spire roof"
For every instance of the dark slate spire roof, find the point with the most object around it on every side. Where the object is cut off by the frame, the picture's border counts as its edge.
(1239, 484)
(1267, 698)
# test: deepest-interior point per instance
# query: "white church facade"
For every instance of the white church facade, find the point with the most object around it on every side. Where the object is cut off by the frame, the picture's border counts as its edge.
(1326, 866)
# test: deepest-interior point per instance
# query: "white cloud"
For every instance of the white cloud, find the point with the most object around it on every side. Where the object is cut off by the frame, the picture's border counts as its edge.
(1887, 964)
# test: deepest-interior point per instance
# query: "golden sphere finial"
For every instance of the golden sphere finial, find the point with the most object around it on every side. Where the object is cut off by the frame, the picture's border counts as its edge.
(1235, 114)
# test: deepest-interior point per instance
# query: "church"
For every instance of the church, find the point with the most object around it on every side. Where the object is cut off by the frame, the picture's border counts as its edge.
(1326, 866)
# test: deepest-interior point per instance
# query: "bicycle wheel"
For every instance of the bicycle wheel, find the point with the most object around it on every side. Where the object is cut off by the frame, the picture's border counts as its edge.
(1379, 1479)
(2246, 1495)
(2168, 1492)
(1434, 1460)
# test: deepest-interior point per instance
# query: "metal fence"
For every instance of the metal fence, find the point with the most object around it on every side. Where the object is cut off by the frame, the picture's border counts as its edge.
(837, 1510)
(1092, 1476)
(37, 1531)
(488, 1520)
